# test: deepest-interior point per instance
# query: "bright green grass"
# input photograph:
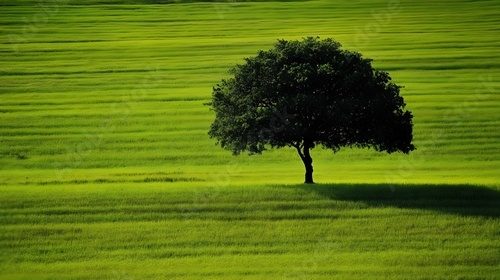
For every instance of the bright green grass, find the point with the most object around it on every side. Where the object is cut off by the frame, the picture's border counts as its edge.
(122, 231)
(106, 170)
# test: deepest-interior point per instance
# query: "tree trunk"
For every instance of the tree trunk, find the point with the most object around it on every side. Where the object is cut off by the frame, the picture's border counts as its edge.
(307, 160)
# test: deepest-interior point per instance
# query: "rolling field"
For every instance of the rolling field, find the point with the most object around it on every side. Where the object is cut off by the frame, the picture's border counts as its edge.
(107, 172)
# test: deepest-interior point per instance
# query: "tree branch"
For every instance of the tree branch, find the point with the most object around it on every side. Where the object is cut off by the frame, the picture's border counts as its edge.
(299, 150)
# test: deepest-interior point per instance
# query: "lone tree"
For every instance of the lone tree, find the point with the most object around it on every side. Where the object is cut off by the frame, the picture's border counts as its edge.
(306, 93)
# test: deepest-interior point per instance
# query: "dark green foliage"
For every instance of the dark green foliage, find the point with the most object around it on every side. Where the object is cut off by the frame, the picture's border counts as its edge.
(304, 93)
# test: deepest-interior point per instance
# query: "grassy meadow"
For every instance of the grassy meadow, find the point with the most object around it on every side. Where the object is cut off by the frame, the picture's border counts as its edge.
(107, 171)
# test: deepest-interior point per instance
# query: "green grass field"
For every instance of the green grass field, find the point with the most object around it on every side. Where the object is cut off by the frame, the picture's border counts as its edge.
(107, 171)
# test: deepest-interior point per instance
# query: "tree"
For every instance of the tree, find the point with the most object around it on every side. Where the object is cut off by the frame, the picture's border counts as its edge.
(306, 93)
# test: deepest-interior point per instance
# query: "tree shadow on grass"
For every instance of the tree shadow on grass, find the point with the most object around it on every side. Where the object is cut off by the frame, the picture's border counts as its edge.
(465, 200)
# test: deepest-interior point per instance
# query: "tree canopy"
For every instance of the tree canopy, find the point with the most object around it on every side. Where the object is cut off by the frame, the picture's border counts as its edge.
(306, 93)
